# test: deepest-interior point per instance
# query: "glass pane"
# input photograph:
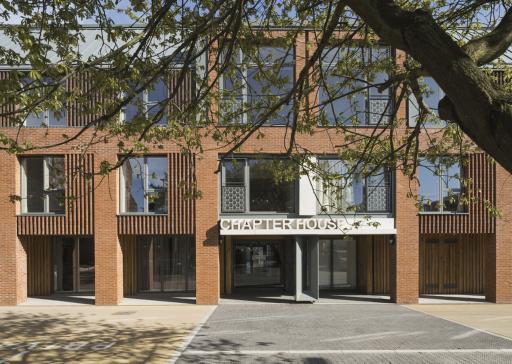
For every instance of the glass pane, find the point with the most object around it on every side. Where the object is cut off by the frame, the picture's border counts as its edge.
(234, 172)
(35, 120)
(57, 119)
(275, 54)
(64, 252)
(149, 279)
(265, 193)
(56, 183)
(451, 184)
(432, 95)
(157, 95)
(133, 176)
(257, 263)
(429, 199)
(157, 184)
(325, 264)
(86, 264)
(344, 263)
(135, 108)
(34, 172)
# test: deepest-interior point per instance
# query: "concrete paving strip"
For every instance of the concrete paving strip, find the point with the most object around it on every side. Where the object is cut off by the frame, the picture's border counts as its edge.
(346, 351)
(494, 319)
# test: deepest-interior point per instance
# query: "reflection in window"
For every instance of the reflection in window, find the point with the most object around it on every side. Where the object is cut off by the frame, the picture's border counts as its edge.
(258, 86)
(144, 185)
(431, 96)
(150, 103)
(43, 117)
(440, 186)
(344, 95)
(250, 185)
(43, 181)
(344, 189)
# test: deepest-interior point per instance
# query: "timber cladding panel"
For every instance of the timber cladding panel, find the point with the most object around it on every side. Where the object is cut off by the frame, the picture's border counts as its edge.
(482, 174)
(373, 264)
(180, 219)
(39, 265)
(453, 264)
(130, 268)
(79, 212)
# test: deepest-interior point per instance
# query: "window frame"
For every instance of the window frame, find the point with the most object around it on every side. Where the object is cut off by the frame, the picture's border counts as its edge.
(147, 191)
(46, 185)
(244, 68)
(147, 105)
(366, 53)
(46, 113)
(247, 186)
(441, 189)
(365, 194)
(411, 100)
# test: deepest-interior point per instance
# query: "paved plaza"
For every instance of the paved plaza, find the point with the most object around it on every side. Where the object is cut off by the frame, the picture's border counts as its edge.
(332, 333)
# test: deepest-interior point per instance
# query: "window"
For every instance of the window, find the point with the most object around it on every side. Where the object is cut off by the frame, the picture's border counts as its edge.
(249, 185)
(144, 185)
(150, 103)
(440, 186)
(344, 95)
(431, 96)
(42, 185)
(44, 116)
(257, 86)
(340, 189)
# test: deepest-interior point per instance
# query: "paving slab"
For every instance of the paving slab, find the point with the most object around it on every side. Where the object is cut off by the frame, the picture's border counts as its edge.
(313, 333)
(496, 319)
(96, 334)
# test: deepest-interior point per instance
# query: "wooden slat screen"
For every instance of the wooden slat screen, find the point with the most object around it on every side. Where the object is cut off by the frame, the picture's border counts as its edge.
(373, 264)
(39, 265)
(180, 219)
(5, 109)
(453, 264)
(79, 212)
(185, 90)
(482, 173)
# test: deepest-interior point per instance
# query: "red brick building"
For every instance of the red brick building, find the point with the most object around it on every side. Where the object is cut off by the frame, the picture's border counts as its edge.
(136, 232)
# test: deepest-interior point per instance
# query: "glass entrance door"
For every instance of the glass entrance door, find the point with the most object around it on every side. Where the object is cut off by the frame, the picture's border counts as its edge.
(337, 263)
(257, 263)
(166, 264)
(74, 264)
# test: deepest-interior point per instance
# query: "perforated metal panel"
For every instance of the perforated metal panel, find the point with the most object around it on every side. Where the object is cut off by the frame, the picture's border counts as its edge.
(378, 198)
(377, 108)
(233, 199)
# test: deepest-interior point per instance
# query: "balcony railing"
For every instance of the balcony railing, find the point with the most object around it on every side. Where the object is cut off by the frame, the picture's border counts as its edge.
(233, 199)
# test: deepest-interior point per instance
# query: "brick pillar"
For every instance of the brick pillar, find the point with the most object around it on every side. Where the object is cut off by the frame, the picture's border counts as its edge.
(498, 275)
(107, 247)
(13, 258)
(207, 232)
(405, 250)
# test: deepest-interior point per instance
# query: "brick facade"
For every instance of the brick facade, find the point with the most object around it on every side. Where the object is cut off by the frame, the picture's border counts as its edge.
(404, 267)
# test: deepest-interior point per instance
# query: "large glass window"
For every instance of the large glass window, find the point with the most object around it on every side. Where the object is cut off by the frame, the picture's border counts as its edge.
(432, 94)
(345, 189)
(166, 264)
(144, 183)
(250, 185)
(346, 95)
(42, 116)
(337, 263)
(150, 103)
(42, 185)
(441, 185)
(255, 87)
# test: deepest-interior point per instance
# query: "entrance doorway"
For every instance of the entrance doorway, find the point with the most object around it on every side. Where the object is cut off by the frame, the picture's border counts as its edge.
(166, 264)
(74, 264)
(258, 263)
